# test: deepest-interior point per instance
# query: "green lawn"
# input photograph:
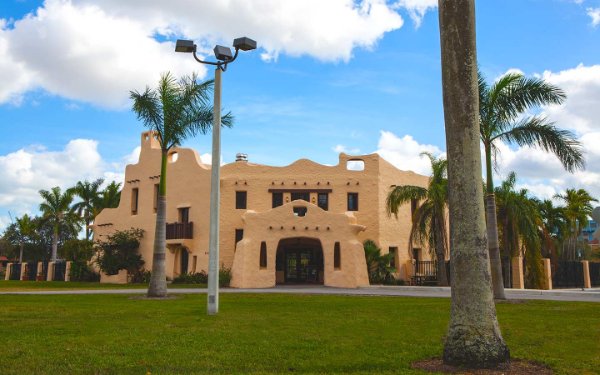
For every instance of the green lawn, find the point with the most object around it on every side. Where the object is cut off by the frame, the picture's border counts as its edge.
(15, 286)
(264, 333)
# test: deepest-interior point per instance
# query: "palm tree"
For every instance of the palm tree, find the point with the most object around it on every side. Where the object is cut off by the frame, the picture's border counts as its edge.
(89, 194)
(26, 229)
(108, 198)
(503, 109)
(554, 228)
(473, 338)
(175, 111)
(577, 211)
(378, 265)
(56, 211)
(429, 226)
(521, 227)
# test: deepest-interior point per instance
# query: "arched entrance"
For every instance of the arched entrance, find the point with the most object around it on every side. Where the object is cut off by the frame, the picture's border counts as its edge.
(299, 260)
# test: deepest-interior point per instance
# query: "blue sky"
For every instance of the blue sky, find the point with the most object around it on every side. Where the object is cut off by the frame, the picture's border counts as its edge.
(328, 76)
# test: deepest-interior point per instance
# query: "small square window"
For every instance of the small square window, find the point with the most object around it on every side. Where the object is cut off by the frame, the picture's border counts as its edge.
(134, 200)
(239, 235)
(277, 199)
(323, 201)
(241, 198)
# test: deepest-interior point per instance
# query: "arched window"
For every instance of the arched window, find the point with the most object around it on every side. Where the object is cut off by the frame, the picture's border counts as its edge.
(263, 254)
(337, 256)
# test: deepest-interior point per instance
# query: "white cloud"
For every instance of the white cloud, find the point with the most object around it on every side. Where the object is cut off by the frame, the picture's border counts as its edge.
(417, 8)
(96, 51)
(594, 14)
(345, 150)
(28, 170)
(404, 153)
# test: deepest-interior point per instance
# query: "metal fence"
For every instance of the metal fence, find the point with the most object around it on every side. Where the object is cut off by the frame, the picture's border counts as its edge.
(31, 271)
(425, 272)
(15, 271)
(595, 273)
(60, 268)
(568, 274)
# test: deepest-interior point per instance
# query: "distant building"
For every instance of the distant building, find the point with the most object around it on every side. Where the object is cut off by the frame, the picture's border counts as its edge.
(302, 223)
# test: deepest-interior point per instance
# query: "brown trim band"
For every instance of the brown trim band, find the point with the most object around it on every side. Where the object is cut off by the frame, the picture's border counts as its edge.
(300, 190)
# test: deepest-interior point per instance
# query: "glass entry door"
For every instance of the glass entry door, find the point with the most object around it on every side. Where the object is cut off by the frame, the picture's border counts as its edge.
(301, 266)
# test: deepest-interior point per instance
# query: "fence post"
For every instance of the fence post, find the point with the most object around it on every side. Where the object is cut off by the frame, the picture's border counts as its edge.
(50, 276)
(68, 271)
(40, 270)
(8, 271)
(23, 273)
(547, 284)
(587, 283)
(517, 273)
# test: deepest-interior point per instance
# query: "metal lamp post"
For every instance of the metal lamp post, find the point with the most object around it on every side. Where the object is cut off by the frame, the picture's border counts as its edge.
(224, 57)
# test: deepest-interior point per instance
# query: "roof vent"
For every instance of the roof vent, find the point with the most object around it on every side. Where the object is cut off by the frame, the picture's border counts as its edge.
(241, 157)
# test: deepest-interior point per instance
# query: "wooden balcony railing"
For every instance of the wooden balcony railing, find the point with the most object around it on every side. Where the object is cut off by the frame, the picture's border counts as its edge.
(177, 231)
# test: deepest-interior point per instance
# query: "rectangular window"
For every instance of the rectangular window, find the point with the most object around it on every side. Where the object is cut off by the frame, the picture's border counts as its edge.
(263, 255)
(134, 200)
(156, 191)
(413, 207)
(239, 235)
(416, 253)
(337, 256)
(277, 199)
(299, 211)
(323, 201)
(394, 251)
(241, 198)
(305, 195)
(352, 201)
(184, 215)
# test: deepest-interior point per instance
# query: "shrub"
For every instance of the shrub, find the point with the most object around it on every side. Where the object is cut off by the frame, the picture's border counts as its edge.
(81, 271)
(191, 278)
(378, 266)
(120, 252)
(224, 276)
(140, 277)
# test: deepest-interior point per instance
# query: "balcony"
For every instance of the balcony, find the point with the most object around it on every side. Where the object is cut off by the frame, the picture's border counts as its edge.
(177, 231)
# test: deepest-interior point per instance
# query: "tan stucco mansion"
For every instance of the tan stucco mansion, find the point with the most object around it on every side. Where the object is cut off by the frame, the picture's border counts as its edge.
(302, 223)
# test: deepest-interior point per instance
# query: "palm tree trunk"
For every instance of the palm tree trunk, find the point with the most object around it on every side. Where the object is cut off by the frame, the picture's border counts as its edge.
(473, 338)
(87, 227)
(21, 246)
(158, 278)
(440, 254)
(493, 247)
(54, 244)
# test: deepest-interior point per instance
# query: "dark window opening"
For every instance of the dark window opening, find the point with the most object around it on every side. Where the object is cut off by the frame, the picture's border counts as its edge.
(156, 192)
(413, 207)
(241, 198)
(393, 251)
(300, 211)
(134, 201)
(416, 253)
(184, 215)
(277, 199)
(239, 235)
(301, 195)
(337, 256)
(352, 201)
(263, 254)
(323, 201)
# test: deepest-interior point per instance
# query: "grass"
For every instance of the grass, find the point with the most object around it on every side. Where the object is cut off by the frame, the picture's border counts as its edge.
(265, 333)
(23, 286)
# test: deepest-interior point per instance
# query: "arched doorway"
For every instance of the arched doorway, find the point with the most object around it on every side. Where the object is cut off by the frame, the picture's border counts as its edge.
(299, 260)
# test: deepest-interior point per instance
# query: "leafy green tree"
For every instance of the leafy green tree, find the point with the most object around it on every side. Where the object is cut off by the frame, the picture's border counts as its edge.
(56, 211)
(174, 111)
(89, 194)
(503, 116)
(429, 226)
(120, 252)
(378, 265)
(578, 208)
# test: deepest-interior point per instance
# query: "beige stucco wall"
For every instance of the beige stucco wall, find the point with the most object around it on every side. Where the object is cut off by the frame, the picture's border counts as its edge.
(188, 185)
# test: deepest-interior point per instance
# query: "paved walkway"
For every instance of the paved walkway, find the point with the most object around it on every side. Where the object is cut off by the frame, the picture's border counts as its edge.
(587, 295)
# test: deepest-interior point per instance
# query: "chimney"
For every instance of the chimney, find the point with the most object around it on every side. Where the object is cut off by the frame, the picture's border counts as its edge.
(241, 157)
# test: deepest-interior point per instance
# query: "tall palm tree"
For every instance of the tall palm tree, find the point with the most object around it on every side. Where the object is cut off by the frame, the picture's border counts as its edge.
(429, 226)
(108, 198)
(473, 338)
(176, 110)
(56, 211)
(26, 229)
(503, 109)
(577, 211)
(89, 193)
(554, 228)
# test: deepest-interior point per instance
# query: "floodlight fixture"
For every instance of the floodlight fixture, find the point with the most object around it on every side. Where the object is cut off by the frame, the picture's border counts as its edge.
(186, 46)
(223, 53)
(244, 43)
